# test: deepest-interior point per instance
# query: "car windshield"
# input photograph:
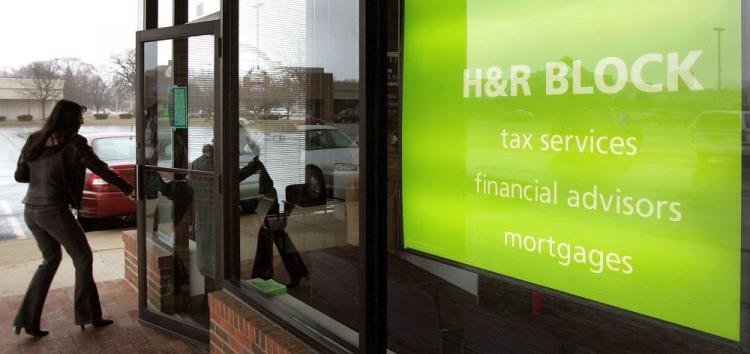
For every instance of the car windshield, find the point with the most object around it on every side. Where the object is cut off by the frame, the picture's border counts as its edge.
(115, 148)
(338, 139)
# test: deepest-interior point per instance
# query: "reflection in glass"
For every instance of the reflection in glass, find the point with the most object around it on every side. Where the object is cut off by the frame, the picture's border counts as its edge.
(158, 77)
(178, 234)
(179, 178)
(196, 72)
(273, 229)
(204, 213)
(299, 96)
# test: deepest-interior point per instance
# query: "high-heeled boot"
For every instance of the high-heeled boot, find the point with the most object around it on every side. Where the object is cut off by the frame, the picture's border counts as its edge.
(32, 332)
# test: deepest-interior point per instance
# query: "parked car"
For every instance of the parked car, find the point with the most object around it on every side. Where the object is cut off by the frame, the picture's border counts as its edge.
(328, 153)
(331, 159)
(100, 199)
(299, 116)
(279, 111)
(347, 115)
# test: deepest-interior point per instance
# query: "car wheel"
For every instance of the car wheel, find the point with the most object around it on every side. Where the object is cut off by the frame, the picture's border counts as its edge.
(315, 184)
(128, 217)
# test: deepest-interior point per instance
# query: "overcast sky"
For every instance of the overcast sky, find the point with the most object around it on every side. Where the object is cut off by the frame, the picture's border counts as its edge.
(94, 30)
(91, 30)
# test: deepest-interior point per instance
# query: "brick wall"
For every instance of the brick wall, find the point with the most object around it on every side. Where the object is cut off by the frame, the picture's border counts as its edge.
(131, 257)
(237, 328)
(158, 274)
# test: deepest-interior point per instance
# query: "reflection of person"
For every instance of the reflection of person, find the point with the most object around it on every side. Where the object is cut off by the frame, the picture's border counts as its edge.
(272, 230)
(204, 211)
(151, 133)
(53, 161)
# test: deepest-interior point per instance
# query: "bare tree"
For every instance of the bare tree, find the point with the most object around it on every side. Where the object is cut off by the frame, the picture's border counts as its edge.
(77, 76)
(254, 89)
(290, 87)
(123, 72)
(100, 92)
(45, 79)
(122, 76)
(201, 93)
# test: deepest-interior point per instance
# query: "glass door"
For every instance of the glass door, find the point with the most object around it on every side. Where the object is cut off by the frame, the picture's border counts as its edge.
(178, 194)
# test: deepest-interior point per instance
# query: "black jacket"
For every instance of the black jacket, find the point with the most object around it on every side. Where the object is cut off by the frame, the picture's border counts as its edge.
(77, 156)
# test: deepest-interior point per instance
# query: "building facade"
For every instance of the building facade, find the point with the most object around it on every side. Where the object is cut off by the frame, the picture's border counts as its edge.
(453, 177)
(19, 96)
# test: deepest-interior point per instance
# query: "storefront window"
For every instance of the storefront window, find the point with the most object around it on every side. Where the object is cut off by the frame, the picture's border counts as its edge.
(299, 158)
(571, 178)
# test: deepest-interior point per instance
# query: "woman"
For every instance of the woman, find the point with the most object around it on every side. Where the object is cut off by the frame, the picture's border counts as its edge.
(53, 161)
(272, 230)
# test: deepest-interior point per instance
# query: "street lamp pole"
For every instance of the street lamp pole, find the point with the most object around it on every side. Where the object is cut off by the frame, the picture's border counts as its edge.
(718, 33)
(257, 34)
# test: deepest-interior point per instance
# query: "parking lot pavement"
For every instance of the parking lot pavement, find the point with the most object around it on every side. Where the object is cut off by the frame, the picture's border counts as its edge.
(20, 258)
(12, 226)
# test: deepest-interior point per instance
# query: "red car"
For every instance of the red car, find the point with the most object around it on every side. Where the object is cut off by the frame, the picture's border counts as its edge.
(100, 199)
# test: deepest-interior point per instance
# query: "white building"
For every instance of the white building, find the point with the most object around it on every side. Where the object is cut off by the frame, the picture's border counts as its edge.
(16, 98)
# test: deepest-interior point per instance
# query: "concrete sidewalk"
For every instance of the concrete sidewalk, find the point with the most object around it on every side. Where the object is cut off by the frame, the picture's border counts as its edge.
(20, 258)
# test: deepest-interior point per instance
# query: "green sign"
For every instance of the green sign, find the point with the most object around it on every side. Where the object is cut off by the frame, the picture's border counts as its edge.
(178, 107)
(592, 147)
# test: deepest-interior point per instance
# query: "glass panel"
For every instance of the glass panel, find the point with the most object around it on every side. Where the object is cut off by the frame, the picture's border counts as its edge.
(180, 258)
(198, 11)
(167, 146)
(166, 13)
(180, 210)
(158, 78)
(299, 95)
(112, 149)
(203, 10)
(201, 96)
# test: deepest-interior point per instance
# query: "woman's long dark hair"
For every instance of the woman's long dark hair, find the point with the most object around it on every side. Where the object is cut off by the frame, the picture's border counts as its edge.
(63, 124)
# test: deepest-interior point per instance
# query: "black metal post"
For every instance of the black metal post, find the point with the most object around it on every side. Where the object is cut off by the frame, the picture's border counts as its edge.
(373, 178)
(226, 146)
(150, 14)
(150, 21)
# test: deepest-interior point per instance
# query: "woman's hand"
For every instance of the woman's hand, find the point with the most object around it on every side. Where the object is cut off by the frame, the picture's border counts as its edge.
(131, 196)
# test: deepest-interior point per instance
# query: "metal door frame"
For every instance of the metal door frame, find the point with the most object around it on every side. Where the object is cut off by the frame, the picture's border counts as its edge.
(161, 321)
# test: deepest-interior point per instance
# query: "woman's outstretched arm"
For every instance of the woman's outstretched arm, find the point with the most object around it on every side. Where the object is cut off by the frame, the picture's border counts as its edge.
(89, 159)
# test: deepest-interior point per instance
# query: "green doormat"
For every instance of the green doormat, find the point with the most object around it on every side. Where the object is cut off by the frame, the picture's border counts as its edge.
(268, 287)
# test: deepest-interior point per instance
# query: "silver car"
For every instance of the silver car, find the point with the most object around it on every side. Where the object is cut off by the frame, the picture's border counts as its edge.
(331, 161)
